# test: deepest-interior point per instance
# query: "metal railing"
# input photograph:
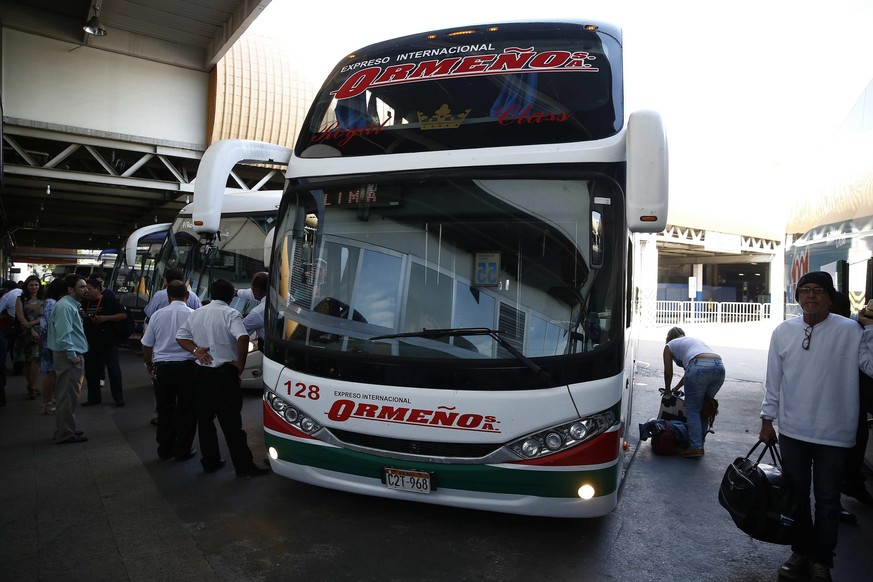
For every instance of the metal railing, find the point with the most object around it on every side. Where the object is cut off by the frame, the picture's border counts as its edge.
(681, 312)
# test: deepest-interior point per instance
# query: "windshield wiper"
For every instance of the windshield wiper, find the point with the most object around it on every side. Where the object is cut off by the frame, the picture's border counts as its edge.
(461, 331)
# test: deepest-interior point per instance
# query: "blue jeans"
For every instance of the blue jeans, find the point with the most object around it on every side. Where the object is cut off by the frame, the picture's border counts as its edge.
(703, 377)
(822, 466)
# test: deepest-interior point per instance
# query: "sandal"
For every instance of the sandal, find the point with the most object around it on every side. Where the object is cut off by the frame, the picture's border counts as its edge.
(31, 393)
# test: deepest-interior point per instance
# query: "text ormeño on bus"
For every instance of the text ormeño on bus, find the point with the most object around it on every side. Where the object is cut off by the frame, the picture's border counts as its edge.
(511, 60)
(443, 417)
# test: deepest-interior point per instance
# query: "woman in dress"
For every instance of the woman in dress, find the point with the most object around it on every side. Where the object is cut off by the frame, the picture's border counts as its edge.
(28, 310)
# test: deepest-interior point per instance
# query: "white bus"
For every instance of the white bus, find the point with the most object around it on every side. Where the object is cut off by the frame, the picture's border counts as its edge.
(131, 278)
(838, 215)
(236, 254)
(844, 249)
(452, 284)
(225, 234)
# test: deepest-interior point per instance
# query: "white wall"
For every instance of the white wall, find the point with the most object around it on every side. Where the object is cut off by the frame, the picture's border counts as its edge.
(50, 81)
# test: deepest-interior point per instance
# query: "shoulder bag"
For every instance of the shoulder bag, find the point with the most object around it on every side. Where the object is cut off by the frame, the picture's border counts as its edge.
(124, 328)
(16, 325)
(760, 499)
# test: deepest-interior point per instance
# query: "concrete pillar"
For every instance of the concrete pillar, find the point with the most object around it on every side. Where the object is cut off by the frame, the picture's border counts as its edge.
(777, 284)
(5, 263)
(697, 270)
(646, 255)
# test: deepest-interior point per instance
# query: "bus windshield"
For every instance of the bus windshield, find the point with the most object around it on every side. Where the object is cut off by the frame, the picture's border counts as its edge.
(507, 85)
(382, 262)
(132, 283)
(236, 254)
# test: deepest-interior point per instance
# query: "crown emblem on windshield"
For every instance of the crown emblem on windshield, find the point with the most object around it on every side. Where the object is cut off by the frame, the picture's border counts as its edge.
(442, 118)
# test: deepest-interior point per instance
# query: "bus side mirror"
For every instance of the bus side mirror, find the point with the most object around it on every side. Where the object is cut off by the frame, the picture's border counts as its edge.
(647, 173)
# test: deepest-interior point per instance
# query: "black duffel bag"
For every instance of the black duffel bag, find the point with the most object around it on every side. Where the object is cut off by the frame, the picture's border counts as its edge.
(759, 498)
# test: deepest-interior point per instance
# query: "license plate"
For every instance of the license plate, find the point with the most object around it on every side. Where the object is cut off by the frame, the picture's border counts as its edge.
(406, 480)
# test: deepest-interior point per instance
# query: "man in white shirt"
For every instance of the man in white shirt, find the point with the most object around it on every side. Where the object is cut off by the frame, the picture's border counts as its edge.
(811, 393)
(215, 334)
(160, 299)
(7, 313)
(7, 301)
(171, 368)
(254, 321)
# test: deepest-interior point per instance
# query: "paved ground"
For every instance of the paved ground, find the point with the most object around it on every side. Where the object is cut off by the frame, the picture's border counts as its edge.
(109, 510)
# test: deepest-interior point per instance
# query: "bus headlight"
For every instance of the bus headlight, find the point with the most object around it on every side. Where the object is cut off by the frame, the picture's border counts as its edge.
(578, 430)
(554, 441)
(561, 437)
(291, 414)
(530, 448)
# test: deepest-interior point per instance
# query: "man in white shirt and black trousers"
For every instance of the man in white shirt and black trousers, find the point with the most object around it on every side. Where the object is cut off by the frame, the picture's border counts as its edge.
(215, 334)
(811, 393)
(171, 368)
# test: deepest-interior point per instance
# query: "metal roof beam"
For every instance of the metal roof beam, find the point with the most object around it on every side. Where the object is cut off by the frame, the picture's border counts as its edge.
(51, 174)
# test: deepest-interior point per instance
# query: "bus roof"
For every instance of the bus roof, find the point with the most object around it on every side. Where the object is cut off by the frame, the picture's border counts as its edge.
(136, 236)
(600, 25)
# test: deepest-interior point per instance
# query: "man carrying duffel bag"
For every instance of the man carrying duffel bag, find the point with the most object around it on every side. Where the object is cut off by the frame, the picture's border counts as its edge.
(811, 393)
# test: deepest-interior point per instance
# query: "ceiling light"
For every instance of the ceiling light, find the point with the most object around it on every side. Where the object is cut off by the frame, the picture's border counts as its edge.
(94, 26)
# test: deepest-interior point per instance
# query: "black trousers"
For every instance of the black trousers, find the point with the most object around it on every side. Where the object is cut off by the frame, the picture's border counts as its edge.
(176, 404)
(98, 359)
(219, 395)
(3, 369)
(854, 477)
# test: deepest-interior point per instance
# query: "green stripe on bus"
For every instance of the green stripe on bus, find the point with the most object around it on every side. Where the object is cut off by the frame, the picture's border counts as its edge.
(484, 478)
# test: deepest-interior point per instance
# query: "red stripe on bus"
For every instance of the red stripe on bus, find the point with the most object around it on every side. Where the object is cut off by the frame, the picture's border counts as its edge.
(602, 449)
(275, 422)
